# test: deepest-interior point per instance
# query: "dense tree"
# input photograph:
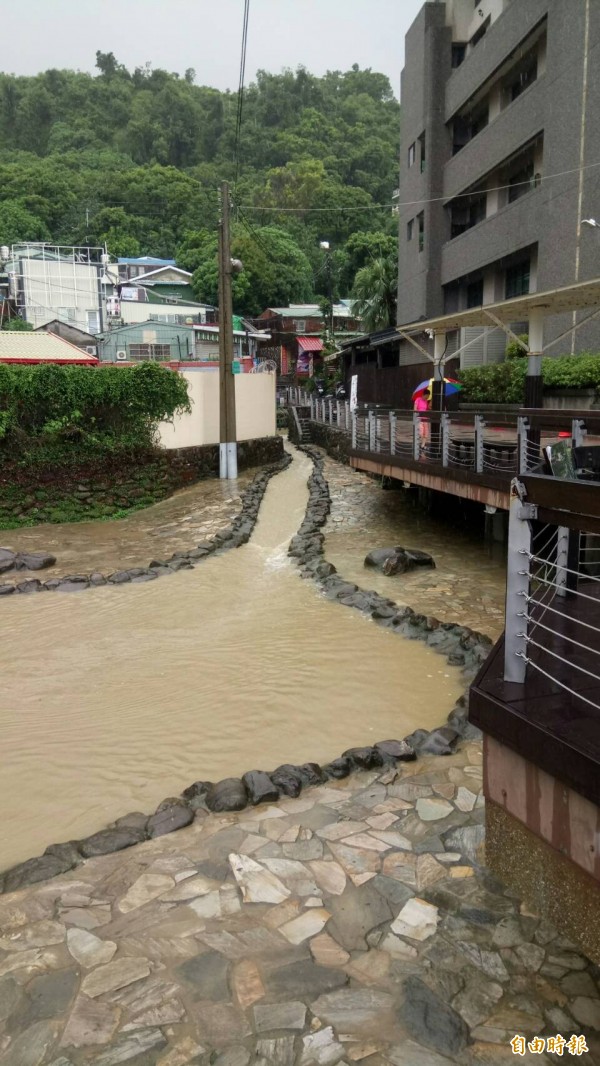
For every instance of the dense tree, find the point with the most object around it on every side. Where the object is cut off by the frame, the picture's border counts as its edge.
(375, 294)
(134, 159)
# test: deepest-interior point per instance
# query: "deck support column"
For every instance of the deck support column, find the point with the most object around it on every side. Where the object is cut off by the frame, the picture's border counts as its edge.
(533, 381)
(479, 426)
(517, 585)
(392, 432)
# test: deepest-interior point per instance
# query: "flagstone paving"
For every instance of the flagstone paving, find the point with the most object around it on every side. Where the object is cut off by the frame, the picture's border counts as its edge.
(355, 924)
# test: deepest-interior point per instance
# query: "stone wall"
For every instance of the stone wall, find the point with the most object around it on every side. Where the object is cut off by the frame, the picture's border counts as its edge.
(336, 443)
(108, 487)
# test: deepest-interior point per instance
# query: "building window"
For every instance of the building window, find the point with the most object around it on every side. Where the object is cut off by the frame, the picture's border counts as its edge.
(150, 352)
(481, 32)
(466, 213)
(421, 227)
(475, 293)
(300, 325)
(520, 182)
(409, 229)
(412, 154)
(458, 54)
(422, 152)
(93, 321)
(517, 279)
(468, 125)
(67, 313)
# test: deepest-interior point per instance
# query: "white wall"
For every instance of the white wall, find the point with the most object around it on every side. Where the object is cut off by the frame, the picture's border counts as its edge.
(255, 410)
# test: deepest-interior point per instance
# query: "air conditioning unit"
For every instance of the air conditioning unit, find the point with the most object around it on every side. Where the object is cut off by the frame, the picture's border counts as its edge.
(121, 356)
(90, 349)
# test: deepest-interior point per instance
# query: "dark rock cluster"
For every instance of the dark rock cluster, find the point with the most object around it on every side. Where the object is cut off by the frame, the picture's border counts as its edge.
(391, 561)
(239, 532)
(230, 794)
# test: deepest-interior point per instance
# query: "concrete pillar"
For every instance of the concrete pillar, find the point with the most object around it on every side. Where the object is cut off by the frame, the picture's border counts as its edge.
(533, 381)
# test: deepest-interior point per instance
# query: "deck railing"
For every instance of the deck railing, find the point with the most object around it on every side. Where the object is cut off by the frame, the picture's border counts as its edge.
(502, 444)
(552, 634)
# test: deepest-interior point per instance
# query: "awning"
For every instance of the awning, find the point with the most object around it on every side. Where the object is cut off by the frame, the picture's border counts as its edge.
(310, 344)
(332, 357)
(553, 302)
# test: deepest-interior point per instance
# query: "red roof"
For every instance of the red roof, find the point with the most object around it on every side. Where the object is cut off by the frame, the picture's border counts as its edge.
(310, 344)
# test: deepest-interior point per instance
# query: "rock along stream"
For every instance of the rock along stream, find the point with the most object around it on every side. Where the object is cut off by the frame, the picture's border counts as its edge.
(114, 698)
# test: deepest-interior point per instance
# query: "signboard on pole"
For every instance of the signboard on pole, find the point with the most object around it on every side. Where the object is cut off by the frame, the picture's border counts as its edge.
(354, 392)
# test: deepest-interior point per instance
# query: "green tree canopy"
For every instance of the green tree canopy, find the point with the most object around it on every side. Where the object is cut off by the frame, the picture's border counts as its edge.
(375, 294)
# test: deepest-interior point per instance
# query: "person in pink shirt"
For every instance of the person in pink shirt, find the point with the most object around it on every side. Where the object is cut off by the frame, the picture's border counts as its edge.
(422, 404)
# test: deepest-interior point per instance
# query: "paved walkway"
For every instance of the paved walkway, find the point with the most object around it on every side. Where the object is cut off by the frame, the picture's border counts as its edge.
(353, 924)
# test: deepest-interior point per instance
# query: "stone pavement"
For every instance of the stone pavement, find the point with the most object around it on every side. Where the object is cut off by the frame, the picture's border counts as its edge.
(354, 924)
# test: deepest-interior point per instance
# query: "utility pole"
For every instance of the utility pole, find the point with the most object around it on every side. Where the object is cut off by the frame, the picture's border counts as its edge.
(227, 427)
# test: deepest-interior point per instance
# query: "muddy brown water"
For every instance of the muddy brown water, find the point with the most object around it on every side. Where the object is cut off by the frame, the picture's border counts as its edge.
(468, 584)
(114, 698)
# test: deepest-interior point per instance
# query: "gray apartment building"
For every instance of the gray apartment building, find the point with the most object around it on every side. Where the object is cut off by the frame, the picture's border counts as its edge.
(500, 160)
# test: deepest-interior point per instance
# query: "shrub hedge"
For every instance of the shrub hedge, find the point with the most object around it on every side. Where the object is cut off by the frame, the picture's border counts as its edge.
(47, 409)
(505, 382)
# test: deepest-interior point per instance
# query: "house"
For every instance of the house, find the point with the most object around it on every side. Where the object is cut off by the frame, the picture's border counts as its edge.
(297, 333)
(167, 342)
(19, 347)
(68, 283)
(85, 341)
(169, 282)
(138, 303)
(148, 341)
(131, 268)
(500, 110)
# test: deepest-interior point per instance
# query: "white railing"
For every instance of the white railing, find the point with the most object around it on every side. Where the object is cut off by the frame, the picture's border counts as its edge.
(552, 600)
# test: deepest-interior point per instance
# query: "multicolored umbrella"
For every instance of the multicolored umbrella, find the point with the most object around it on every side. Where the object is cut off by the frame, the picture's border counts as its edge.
(450, 386)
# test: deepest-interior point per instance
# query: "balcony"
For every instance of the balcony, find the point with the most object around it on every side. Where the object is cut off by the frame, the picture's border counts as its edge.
(520, 122)
(515, 226)
(503, 36)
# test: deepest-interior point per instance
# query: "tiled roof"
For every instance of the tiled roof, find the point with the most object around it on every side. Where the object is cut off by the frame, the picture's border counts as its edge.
(310, 344)
(17, 346)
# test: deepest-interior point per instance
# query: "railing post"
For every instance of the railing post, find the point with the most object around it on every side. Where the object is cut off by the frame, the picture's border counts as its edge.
(353, 416)
(313, 404)
(562, 559)
(479, 426)
(338, 414)
(371, 422)
(347, 414)
(522, 439)
(330, 411)
(416, 435)
(393, 432)
(445, 435)
(517, 584)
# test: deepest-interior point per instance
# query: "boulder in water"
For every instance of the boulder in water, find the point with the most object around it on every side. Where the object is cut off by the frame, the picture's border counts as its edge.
(397, 560)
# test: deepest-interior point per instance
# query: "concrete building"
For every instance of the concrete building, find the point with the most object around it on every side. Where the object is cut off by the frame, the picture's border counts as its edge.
(499, 161)
(68, 283)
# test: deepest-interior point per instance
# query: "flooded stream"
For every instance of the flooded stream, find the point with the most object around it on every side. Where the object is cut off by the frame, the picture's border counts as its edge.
(116, 697)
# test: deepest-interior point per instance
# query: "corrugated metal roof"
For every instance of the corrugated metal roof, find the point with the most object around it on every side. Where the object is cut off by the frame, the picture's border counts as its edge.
(147, 260)
(17, 346)
(310, 344)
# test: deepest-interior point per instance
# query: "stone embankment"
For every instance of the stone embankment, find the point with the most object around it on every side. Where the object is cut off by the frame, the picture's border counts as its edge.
(239, 532)
(99, 489)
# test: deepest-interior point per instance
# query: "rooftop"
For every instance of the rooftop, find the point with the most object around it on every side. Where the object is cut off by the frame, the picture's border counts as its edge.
(147, 260)
(17, 346)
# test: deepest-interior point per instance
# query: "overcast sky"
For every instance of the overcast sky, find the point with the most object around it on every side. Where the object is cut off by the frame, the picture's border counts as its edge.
(206, 34)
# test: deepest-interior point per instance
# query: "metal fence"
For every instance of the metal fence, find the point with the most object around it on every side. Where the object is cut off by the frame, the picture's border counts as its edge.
(505, 444)
(552, 635)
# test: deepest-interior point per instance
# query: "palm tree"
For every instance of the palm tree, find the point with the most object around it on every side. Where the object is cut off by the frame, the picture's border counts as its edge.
(375, 293)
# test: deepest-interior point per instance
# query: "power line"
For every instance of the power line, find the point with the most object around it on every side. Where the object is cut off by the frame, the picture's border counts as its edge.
(240, 105)
(416, 203)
